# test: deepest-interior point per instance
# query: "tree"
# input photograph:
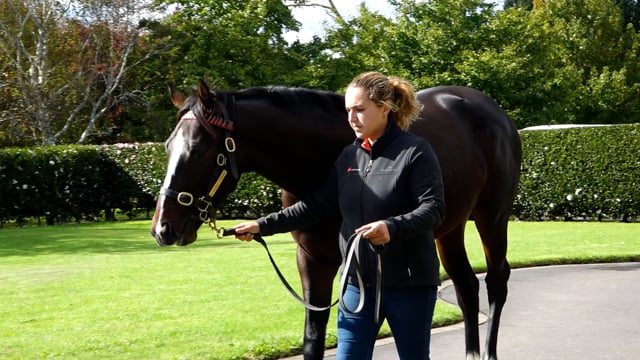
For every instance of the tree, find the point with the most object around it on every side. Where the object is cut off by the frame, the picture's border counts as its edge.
(566, 61)
(67, 60)
(114, 34)
(630, 9)
(630, 12)
(525, 4)
(233, 43)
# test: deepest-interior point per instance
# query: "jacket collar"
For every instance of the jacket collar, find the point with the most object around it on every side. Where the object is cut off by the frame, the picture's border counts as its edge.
(390, 132)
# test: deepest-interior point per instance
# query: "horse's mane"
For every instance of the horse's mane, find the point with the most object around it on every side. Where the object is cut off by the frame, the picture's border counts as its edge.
(310, 104)
(298, 98)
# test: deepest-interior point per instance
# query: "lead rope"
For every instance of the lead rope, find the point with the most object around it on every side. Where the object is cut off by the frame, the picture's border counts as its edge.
(353, 246)
(283, 280)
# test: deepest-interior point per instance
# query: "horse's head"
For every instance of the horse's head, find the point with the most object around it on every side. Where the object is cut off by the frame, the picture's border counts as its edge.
(201, 168)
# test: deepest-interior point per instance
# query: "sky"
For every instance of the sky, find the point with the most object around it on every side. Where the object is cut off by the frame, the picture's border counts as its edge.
(312, 19)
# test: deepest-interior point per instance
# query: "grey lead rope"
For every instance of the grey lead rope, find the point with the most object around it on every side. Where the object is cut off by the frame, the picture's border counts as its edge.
(353, 246)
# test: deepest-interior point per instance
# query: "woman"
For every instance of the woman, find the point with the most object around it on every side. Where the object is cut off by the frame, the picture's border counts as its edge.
(388, 188)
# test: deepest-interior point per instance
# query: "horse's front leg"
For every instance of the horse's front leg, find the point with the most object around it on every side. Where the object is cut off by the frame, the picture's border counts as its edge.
(317, 283)
(318, 259)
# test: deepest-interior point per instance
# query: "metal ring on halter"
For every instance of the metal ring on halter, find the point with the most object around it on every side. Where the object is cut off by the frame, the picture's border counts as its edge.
(181, 196)
(221, 160)
(230, 144)
(206, 203)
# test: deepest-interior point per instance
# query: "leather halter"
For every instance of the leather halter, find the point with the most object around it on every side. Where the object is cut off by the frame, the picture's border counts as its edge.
(226, 162)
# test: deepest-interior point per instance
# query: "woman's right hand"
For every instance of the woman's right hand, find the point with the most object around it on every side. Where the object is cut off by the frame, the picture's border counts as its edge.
(245, 230)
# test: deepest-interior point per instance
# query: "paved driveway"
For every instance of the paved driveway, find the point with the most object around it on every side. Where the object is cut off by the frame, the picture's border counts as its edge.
(569, 312)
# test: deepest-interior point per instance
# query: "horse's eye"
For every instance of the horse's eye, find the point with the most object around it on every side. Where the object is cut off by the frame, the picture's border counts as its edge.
(199, 153)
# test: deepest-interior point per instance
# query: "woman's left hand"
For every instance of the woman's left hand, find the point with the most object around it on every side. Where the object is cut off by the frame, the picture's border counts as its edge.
(376, 232)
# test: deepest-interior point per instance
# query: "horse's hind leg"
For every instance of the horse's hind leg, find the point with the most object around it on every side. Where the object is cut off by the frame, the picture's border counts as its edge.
(454, 260)
(492, 227)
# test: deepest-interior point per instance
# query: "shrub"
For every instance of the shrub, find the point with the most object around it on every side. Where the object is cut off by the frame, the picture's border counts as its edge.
(580, 173)
(66, 183)
(61, 183)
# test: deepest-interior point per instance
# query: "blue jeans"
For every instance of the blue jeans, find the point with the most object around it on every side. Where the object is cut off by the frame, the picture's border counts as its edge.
(409, 312)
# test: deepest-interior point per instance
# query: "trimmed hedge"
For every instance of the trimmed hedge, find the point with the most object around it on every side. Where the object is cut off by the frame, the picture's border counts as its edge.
(570, 174)
(88, 183)
(64, 183)
(588, 173)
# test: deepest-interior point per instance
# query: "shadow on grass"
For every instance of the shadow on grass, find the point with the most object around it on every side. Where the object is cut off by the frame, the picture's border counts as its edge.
(100, 238)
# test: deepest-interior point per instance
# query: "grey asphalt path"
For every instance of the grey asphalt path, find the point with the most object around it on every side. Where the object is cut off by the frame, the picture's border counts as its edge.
(568, 312)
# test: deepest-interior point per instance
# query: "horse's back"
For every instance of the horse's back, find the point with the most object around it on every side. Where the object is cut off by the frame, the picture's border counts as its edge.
(477, 145)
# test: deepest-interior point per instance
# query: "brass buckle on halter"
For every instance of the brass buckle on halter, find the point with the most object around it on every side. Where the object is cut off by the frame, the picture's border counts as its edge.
(184, 198)
(204, 210)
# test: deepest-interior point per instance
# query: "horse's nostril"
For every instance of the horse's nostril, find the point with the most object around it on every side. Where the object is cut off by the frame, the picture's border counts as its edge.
(165, 235)
(165, 228)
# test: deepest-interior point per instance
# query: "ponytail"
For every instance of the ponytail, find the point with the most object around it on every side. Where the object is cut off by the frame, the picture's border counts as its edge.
(393, 91)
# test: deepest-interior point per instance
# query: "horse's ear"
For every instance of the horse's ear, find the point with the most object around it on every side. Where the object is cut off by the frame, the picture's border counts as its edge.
(206, 96)
(177, 98)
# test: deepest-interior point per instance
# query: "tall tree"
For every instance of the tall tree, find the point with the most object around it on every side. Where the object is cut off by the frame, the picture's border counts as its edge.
(630, 12)
(234, 43)
(566, 61)
(67, 61)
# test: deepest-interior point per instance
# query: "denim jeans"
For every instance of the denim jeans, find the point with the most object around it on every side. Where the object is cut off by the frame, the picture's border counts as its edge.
(409, 312)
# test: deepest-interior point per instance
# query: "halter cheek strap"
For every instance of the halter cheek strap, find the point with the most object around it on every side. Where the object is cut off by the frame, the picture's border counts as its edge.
(226, 159)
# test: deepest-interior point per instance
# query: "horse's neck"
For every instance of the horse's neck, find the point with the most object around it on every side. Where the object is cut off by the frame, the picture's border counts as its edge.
(295, 153)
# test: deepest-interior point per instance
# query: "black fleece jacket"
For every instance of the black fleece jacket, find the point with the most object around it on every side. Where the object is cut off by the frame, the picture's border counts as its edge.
(398, 182)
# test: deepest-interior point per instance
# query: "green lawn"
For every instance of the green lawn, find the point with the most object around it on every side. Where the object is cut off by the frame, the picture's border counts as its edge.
(106, 291)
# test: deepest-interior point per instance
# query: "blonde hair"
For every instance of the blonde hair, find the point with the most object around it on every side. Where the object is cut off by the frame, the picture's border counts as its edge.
(393, 91)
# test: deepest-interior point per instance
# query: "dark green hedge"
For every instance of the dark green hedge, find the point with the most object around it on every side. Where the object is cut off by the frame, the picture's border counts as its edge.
(586, 173)
(77, 183)
(581, 173)
(65, 183)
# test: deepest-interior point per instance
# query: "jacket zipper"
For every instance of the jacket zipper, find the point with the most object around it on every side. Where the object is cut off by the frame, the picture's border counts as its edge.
(364, 178)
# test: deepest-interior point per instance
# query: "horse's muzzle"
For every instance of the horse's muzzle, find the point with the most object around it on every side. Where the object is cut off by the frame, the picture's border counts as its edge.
(166, 235)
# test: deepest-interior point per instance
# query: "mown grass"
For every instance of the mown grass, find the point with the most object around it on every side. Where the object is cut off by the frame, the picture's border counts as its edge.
(107, 291)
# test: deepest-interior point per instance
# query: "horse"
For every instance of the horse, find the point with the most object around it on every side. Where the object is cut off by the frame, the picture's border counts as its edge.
(292, 136)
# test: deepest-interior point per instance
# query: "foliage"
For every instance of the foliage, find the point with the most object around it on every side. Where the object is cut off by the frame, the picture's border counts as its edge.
(587, 173)
(64, 183)
(255, 196)
(232, 43)
(67, 61)
(544, 66)
(96, 72)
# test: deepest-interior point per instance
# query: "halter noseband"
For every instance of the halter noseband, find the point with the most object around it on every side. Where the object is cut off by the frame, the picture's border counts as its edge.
(203, 203)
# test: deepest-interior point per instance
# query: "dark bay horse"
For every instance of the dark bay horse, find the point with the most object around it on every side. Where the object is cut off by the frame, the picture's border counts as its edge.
(292, 136)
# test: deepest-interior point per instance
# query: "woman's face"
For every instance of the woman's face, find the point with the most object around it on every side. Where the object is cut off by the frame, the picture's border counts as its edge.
(366, 118)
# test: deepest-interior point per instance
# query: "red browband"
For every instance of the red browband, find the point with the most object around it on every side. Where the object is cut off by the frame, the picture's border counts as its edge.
(214, 120)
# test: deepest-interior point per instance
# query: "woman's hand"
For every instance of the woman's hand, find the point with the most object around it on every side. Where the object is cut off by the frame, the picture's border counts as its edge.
(245, 230)
(376, 232)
